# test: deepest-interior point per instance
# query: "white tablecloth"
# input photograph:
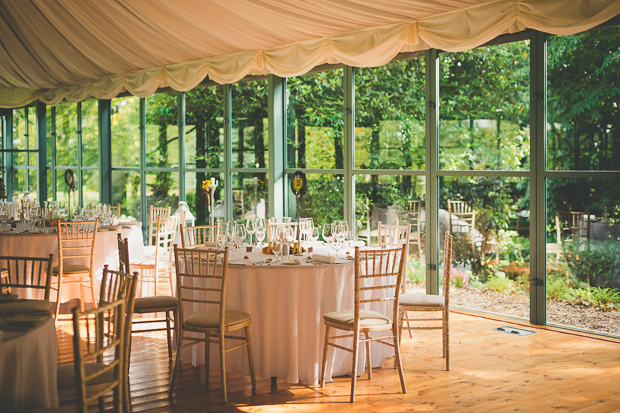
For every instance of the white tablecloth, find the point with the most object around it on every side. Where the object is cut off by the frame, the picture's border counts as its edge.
(28, 368)
(41, 245)
(287, 303)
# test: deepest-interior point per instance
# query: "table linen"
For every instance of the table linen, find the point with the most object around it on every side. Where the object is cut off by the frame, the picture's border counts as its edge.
(287, 303)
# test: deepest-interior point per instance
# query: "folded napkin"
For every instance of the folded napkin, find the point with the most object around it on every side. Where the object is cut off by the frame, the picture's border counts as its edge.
(25, 306)
(353, 244)
(323, 258)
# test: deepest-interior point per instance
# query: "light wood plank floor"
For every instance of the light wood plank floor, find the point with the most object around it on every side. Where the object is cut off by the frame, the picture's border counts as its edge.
(552, 370)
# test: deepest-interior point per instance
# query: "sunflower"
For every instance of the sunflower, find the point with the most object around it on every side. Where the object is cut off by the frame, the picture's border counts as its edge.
(206, 184)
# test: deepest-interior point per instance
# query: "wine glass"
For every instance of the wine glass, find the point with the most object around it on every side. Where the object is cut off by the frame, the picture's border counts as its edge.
(260, 231)
(339, 231)
(314, 234)
(250, 227)
(328, 236)
(241, 233)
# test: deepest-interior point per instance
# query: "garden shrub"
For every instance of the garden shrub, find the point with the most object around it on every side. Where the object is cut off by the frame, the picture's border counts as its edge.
(502, 285)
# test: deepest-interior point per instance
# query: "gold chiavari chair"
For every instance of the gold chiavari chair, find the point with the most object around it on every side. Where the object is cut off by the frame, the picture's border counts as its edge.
(76, 242)
(154, 214)
(429, 302)
(201, 279)
(376, 271)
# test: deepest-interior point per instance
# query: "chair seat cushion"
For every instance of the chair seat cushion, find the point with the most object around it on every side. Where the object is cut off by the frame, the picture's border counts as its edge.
(347, 317)
(422, 300)
(211, 319)
(160, 301)
(66, 375)
(71, 269)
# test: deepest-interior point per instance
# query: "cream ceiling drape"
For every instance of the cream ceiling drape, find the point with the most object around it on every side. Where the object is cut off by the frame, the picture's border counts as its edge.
(73, 49)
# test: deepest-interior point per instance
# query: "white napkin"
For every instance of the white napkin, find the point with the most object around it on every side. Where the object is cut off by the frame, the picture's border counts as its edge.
(323, 258)
(353, 244)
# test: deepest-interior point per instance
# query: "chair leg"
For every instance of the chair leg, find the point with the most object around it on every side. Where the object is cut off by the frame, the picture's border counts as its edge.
(248, 338)
(406, 315)
(356, 344)
(175, 318)
(176, 363)
(447, 338)
(92, 289)
(207, 360)
(223, 365)
(82, 295)
(401, 314)
(324, 361)
(58, 297)
(368, 357)
(155, 278)
(398, 360)
(168, 335)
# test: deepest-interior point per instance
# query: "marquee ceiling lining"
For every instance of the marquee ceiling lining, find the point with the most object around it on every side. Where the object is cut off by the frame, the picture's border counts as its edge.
(73, 49)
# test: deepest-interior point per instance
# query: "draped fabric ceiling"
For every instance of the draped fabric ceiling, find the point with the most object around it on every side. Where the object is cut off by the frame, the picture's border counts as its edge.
(73, 49)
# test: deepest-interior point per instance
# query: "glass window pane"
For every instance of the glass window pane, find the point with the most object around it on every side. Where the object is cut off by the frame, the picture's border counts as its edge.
(484, 109)
(90, 187)
(90, 133)
(393, 200)
(32, 135)
(493, 256)
(389, 116)
(583, 229)
(583, 107)
(66, 134)
(126, 131)
(19, 138)
(204, 116)
(49, 131)
(126, 192)
(323, 202)
(196, 197)
(250, 124)
(162, 190)
(315, 120)
(162, 132)
(250, 196)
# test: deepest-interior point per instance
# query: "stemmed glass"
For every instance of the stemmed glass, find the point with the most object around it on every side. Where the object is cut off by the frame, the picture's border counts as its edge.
(278, 237)
(250, 227)
(241, 234)
(328, 236)
(260, 231)
(340, 233)
(314, 234)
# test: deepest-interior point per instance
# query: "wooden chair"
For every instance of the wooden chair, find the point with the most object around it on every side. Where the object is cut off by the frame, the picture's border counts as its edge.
(555, 248)
(150, 305)
(386, 267)
(161, 260)
(274, 227)
(154, 214)
(428, 302)
(106, 325)
(115, 285)
(393, 235)
(462, 221)
(198, 236)
(116, 210)
(26, 272)
(204, 271)
(76, 240)
(580, 227)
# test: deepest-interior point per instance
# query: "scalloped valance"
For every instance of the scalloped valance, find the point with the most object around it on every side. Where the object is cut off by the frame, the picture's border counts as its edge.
(74, 49)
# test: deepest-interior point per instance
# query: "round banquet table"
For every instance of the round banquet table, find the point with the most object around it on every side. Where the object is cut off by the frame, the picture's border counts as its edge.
(43, 244)
(28, 367)
(287, 303)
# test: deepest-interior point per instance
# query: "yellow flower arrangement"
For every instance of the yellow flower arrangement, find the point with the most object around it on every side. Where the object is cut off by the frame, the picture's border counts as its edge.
(206, 184)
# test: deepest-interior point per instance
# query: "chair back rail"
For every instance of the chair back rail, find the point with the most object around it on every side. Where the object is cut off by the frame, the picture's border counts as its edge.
(123, 253)
(26, 272)
(198, 235)
(194, 265)
(380, 265)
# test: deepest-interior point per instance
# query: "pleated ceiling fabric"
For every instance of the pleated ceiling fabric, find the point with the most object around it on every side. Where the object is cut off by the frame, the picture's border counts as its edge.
(73, 49)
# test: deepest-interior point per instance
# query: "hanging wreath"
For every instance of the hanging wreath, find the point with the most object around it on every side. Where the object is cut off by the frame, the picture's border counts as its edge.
(70, 180)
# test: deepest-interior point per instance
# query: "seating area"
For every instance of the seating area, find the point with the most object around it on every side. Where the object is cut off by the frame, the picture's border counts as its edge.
(297, 206)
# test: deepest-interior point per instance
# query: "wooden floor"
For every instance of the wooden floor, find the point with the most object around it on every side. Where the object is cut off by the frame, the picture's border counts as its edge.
(552, 370)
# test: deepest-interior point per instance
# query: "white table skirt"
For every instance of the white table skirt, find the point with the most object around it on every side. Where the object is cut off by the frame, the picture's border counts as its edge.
(41, 245)
(28, 369)
(287, 304)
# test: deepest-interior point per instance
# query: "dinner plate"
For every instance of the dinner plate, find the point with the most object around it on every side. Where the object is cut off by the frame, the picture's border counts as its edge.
(291, 262)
